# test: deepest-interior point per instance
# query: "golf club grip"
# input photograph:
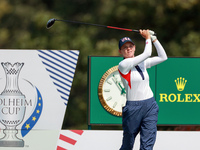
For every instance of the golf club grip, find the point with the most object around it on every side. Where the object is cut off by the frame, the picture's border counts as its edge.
(117, 28)
(132, 30)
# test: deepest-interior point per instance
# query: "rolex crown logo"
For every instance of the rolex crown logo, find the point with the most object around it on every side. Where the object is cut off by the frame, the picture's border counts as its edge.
(180, 83)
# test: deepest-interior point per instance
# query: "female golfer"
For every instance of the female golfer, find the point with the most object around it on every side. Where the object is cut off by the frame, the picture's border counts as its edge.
(140, 113)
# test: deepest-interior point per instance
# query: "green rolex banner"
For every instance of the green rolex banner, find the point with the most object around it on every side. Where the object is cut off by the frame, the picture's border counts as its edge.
(175, 84)
(178, 91)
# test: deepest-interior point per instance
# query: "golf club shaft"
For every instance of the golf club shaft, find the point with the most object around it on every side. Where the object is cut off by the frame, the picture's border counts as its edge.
(111, 27)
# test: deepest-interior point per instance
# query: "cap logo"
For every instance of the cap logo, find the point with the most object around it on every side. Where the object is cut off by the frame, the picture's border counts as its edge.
(125, 39)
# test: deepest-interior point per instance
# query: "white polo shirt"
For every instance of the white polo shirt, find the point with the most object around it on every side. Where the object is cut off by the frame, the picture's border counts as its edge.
(136, 83)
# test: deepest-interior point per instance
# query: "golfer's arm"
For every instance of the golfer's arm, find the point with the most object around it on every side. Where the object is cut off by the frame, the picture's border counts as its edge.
(162, 56)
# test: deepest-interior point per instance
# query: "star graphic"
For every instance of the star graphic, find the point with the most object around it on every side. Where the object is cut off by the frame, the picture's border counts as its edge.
(27, 126)
(33, 118)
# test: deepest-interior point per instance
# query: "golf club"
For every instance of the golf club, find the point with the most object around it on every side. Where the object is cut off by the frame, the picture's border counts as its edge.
(52, 21)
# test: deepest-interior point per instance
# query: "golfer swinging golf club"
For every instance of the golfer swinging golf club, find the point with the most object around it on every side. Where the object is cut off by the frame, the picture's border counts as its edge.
(140, 113)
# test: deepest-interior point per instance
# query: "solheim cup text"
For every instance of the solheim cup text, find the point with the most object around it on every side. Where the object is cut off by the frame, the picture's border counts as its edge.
(13, 105)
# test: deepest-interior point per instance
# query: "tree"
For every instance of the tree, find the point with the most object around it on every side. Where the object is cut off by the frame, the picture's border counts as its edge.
(176, 23)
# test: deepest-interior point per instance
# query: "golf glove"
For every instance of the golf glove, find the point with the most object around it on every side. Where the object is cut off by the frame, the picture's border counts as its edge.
(153, 37)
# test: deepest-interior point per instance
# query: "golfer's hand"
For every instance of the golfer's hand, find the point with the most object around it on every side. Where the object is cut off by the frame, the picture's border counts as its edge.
(145, 34)
(153, 36)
